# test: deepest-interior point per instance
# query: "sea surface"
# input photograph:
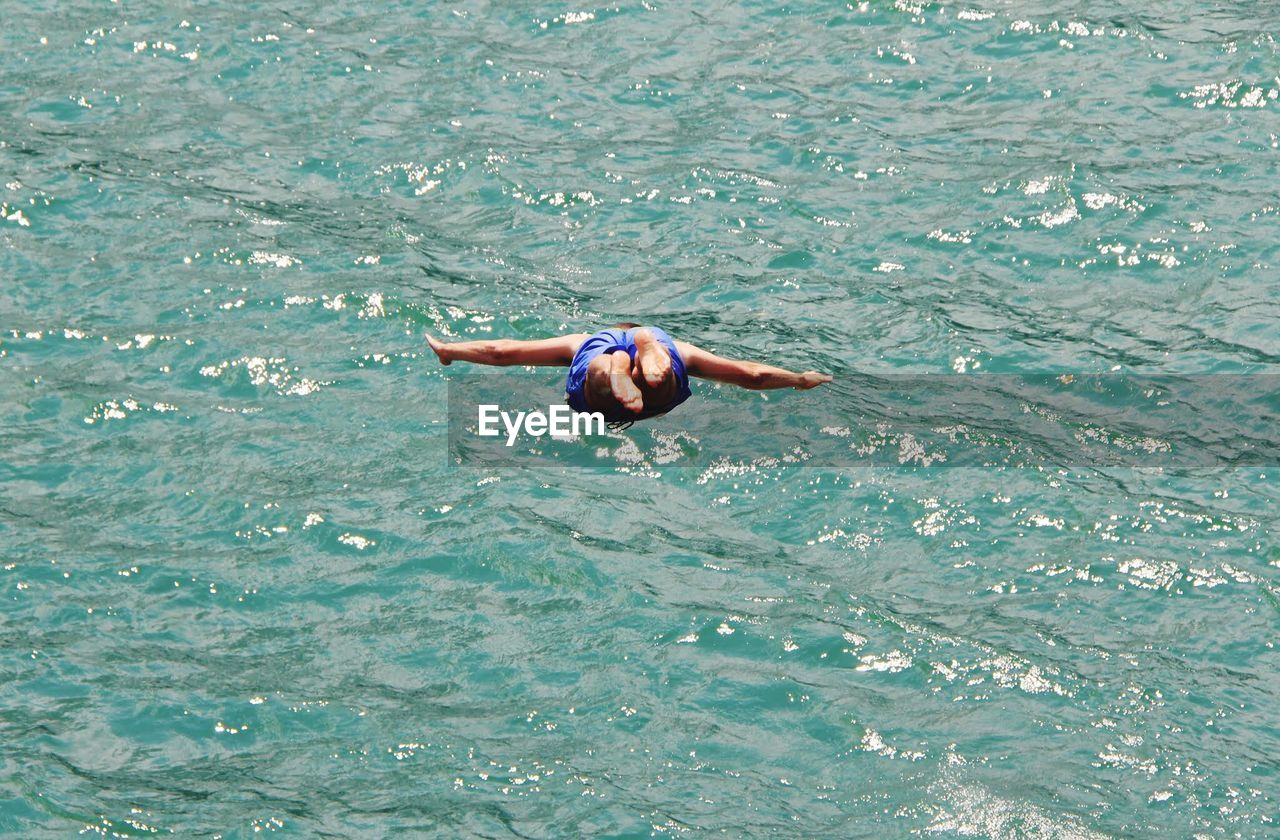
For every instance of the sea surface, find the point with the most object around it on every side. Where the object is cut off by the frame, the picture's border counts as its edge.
(246, 592)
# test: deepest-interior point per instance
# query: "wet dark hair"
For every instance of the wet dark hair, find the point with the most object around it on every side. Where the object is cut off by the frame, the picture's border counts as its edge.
(625, 325)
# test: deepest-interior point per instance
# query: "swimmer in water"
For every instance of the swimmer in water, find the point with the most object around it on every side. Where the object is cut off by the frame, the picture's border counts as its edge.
(628, 372)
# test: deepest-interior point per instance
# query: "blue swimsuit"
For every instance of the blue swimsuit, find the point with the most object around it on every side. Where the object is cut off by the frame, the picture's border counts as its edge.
(607, 341)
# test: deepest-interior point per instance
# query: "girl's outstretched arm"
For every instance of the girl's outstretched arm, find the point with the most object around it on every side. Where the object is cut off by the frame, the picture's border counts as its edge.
(753, 375)
(505, 351)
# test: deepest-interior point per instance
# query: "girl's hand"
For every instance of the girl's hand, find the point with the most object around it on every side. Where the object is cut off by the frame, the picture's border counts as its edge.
(812, 379)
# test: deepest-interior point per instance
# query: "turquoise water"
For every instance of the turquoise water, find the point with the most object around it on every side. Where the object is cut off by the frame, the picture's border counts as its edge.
(244, 594)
